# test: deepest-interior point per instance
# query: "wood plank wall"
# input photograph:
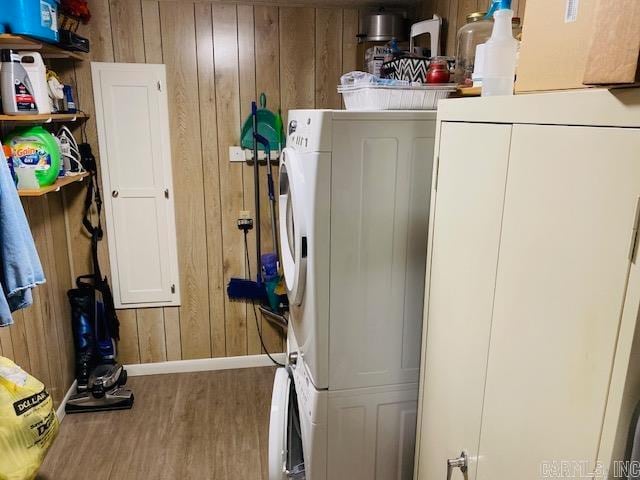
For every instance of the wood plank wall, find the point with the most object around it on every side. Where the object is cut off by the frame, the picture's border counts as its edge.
(454, 13)
(219, 57)
(40, 341)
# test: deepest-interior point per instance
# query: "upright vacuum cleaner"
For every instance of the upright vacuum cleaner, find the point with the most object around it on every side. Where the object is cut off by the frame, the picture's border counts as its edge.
(100, 378)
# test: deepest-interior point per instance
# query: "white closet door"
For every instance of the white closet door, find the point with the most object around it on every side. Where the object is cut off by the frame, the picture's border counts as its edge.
(570, 209)
(135, 158)
(465, 237)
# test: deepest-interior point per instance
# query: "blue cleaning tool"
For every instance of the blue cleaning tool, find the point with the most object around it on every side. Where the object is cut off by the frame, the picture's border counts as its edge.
(498, 5)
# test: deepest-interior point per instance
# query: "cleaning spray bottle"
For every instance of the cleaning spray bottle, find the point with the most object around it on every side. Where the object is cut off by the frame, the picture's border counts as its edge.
(500, 52)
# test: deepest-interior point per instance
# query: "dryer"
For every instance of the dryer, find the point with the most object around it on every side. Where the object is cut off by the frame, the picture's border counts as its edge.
(354, 210)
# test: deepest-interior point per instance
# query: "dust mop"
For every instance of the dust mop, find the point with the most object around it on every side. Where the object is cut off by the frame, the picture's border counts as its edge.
(242, 288)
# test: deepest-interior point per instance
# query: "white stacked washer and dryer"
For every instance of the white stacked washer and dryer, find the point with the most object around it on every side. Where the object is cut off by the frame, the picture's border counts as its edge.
(354, 212)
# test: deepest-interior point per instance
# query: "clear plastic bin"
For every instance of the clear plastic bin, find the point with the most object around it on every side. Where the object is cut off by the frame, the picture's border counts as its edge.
(385, 97)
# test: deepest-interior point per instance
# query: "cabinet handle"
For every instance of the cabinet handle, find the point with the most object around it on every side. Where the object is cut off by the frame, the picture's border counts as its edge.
(461, 462)
(115, 193)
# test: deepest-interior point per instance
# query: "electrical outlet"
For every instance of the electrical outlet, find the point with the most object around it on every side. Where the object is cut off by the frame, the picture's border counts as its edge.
(245, 222)
(236, 154)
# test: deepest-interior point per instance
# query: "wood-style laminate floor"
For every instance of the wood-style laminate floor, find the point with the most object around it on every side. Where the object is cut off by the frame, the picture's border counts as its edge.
(200, 426)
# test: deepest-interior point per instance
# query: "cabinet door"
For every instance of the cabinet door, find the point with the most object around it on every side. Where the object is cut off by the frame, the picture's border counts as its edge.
(465, 237)
(131, 111)
(570, 209)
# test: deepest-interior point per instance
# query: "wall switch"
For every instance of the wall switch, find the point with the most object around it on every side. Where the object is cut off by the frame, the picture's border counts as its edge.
(236, 154)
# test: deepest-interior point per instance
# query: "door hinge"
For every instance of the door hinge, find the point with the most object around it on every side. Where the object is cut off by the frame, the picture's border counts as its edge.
(159, 86)
(437, 173)
(173, 288)
(166, 193)
(634, 233)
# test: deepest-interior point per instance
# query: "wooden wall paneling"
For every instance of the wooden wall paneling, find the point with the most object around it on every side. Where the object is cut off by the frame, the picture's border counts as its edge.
(151, 31)
(57, 240)
(33, 322)
(35, 336)
(213, 218)
(19, 341)
(128, 346)
(225, 41)
(179, 53)
(99, 31)
(521, 8)
(452, 27)
(57, 262)
(47, 309)
(247, 75)
(350, 27)
(172, 333)
(425, 9)
(267, 47)
(328, 53)
(297, 58)
(127, 28)
(465, 7)
(6, 343)
(151, 335)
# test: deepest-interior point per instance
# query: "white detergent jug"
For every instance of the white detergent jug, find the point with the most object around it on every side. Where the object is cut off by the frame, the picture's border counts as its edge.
(34, 65)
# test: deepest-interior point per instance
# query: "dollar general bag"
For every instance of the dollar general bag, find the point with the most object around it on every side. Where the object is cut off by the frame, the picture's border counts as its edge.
(28, 424)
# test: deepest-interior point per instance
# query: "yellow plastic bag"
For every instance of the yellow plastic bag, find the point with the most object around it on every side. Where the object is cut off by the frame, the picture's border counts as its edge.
(28, 423)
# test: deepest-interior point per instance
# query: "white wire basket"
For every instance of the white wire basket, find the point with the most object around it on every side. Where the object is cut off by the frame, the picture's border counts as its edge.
(386, 97)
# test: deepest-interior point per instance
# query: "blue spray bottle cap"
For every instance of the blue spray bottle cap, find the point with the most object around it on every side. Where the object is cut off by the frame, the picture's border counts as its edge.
(498, 5)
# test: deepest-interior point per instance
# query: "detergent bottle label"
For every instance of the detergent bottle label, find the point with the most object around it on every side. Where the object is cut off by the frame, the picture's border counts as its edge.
(30, 152)
(24, 98)
(48, 16)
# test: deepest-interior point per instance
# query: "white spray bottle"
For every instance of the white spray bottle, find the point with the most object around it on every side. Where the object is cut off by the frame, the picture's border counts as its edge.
(500, 52)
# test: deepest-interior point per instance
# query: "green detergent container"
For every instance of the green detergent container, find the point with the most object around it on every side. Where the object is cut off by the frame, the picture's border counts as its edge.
(34, 147)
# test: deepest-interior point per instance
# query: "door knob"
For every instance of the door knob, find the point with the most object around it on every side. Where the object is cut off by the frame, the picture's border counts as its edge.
(461, 462)
(114, 194)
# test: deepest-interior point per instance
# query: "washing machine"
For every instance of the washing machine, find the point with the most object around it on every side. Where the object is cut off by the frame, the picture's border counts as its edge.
(354, 196)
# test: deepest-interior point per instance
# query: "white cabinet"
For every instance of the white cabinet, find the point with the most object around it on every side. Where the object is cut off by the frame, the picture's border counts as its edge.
(533, 293)
(135, 159)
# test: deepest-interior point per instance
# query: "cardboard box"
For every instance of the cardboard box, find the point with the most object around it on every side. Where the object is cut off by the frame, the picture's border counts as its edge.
(569, 43)
(615, 45)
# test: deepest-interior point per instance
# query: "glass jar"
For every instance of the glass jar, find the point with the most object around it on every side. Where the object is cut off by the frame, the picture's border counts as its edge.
(516, 26)
(477, 30)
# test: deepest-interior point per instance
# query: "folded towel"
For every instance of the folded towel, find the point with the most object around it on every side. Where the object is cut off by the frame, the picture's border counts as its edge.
(20, 268)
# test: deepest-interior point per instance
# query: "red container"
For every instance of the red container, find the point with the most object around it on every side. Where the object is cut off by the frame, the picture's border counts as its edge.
(438, 71)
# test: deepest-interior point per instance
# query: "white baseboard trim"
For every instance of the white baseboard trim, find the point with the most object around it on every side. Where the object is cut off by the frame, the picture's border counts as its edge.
(60, 413)
(202, 365)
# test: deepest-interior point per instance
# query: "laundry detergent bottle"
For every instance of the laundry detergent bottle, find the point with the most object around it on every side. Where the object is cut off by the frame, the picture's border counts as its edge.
(500, 52)
(36, 149)
(18, 95)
